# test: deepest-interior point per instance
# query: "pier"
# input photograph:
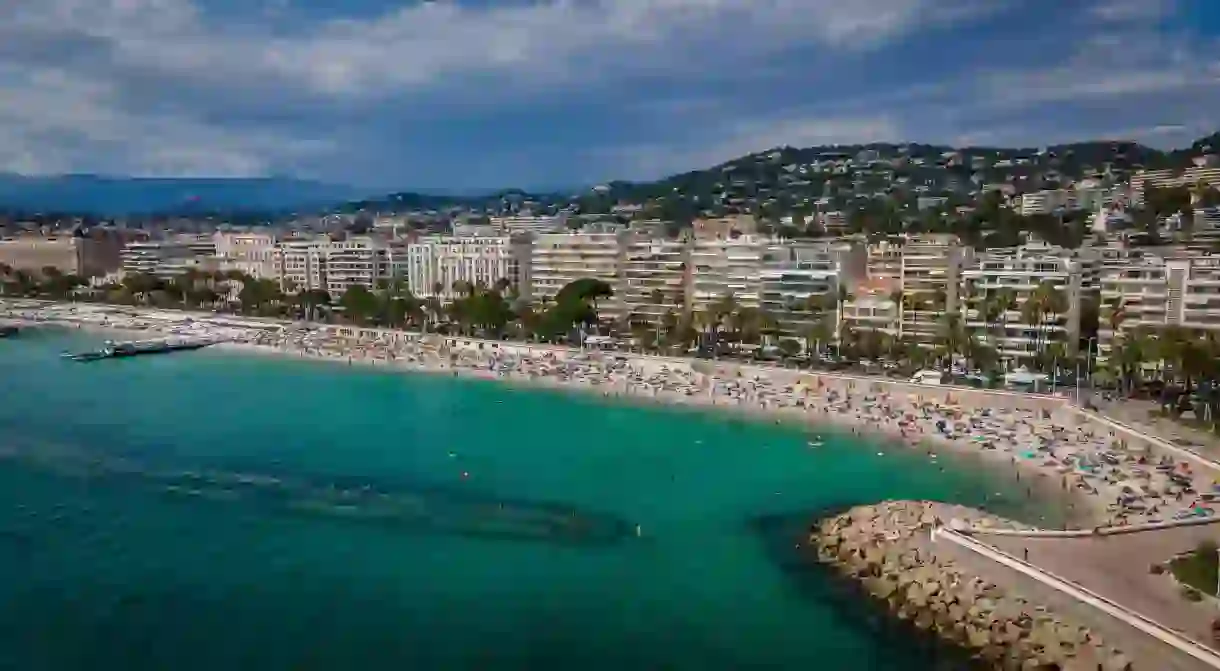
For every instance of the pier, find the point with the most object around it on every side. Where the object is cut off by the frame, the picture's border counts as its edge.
(122, 350)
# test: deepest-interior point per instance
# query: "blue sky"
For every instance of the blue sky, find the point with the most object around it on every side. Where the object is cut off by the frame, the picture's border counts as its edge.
(466, 94)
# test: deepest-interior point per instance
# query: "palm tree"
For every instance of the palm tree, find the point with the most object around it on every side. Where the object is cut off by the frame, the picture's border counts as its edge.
(1044, 306)
(721, 311)
(897, 297)
(657, 298)
(953, 337)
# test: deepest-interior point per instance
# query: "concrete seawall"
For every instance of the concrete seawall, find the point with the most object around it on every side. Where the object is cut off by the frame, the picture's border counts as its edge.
(1145, 651)
(1006, 620)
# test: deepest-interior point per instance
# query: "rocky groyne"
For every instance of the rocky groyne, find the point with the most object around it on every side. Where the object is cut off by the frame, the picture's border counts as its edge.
(887, 550)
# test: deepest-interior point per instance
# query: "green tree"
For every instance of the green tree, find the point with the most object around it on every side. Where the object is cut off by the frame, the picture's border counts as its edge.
(359, 304)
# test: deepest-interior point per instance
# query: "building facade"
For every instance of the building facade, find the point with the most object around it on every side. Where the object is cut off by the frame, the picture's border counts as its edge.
(558, 259)
(435, 265)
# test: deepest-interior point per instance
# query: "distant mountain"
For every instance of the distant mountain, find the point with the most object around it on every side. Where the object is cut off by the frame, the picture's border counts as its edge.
(114, 196)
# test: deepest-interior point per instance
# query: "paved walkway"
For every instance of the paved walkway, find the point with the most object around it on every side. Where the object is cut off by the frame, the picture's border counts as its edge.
(1118, 568)
(1139, 415)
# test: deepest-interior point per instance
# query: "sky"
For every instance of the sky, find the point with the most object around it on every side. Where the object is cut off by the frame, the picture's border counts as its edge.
(463, 94)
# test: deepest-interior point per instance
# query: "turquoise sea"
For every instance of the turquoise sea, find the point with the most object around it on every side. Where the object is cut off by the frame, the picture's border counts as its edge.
(212, 511)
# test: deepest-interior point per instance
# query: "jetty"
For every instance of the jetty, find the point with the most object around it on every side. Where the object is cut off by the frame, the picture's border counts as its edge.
(925, 563)
(120, 350)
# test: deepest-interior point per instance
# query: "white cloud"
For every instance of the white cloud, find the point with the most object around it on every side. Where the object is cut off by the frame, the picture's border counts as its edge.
(1116, 11)
(423, 42)
(54, 122)
(143, 85)
(1121, 64)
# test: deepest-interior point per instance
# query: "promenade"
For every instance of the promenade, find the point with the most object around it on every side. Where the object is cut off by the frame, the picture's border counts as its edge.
(1117, 566)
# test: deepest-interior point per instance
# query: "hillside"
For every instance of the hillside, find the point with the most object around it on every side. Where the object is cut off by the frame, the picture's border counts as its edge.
(782, 181)
(798, 181)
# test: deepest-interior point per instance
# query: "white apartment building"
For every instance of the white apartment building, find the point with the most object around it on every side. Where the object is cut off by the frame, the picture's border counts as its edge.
(931, 266)
(1173, 178)
(440, 262)
(356, 261)
(255, 254)
(1047, 201)
(165, 259)
(885, 260)
(871, 306)
(302, 266)
(1139, 288)
(653, 277)
(785, 294)
(524, 224)
(558, 259)
(729, 266)
(1020, 272)
(1154, 292)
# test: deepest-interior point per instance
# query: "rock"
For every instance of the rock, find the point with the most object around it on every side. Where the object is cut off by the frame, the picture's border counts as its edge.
(885, 548)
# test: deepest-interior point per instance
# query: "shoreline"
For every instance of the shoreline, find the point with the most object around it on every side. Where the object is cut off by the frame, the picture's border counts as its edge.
(1059, 456)
(1042, 495)
(867, 414)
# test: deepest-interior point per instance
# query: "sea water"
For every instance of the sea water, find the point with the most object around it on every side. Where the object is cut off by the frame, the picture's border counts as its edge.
(209, 510)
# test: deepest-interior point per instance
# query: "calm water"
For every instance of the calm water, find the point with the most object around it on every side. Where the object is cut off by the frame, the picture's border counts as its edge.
(212, 511)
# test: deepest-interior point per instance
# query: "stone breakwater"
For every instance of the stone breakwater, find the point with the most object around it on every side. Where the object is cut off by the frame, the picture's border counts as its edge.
(887, 549)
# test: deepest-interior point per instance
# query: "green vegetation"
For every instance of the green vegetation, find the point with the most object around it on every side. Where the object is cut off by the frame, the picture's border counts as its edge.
(1200, 569)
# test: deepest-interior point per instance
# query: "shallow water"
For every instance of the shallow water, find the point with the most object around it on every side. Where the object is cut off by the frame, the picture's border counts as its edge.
(206, 510)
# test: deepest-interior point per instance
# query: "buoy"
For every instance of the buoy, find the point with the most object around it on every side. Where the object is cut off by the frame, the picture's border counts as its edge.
(453, 455)
(465, 474)
(638, 531)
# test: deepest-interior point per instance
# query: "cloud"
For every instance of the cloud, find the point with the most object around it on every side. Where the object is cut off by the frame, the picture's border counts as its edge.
(542, 90)
(1120, 11)
(57, 123)
(420, 44)
(165, 85)
(1117, 64)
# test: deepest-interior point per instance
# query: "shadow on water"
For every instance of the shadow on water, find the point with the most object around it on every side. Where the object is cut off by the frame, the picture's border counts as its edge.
(785, 540)
(419, 508)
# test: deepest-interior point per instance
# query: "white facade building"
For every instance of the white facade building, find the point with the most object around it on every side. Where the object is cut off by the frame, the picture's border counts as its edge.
(165, 259)
(1047, 201)
(355, 262)
(931, 267)
(1020, 272)
(785, 294)
(1153, 292)
(558, 259)
(728, 266)
(255, 254)
(522, 224)
(441, 262)
(653, 277)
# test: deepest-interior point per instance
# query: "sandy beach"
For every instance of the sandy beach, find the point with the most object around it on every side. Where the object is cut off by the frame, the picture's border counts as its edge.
(1052, 450)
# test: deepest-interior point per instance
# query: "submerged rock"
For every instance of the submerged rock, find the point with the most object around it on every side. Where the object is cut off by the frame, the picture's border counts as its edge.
(887, 548)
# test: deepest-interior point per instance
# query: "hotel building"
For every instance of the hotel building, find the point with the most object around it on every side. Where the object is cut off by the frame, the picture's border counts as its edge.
(931, 267)
(653, 277)
(558, 259)
(442, 262)
(1020, 272)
